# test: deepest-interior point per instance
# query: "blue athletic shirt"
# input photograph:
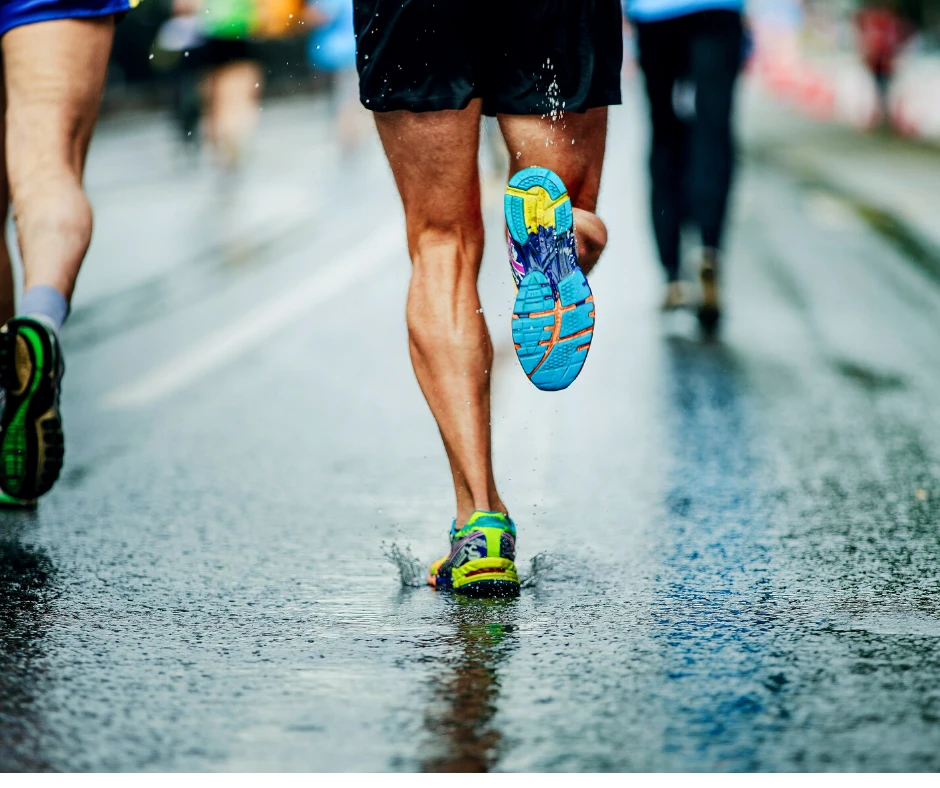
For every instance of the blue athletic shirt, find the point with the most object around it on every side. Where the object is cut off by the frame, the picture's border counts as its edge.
(659, 10)
(333, 46)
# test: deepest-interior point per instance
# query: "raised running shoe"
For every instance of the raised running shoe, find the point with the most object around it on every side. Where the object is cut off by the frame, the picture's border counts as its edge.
(32, 446)
(675, 297)
(709, 311)
(481, 558)
(553, 317)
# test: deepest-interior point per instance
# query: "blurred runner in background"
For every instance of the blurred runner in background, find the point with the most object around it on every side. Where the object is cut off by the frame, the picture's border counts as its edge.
(690, 52)
(54, 61)
(230, 55)
(232, 80)
(332, 51)
(882, 32)
(182, 36)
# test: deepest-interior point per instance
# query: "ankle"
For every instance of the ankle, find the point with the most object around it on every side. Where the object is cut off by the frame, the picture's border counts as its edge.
(47, 304)
(465, 513)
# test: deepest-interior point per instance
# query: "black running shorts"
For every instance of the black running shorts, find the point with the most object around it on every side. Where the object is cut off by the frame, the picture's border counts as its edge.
(522, 57)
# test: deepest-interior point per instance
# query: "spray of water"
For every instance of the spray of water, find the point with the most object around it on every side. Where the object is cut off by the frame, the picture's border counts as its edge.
(411, 570)
(539, 566)
(556, 105)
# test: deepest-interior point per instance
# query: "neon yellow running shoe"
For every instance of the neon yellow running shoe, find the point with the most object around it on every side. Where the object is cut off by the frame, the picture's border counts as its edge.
(481, 559)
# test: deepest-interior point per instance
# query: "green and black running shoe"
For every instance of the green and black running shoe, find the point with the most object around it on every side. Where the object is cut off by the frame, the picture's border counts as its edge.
(9, 502)
(32, 446)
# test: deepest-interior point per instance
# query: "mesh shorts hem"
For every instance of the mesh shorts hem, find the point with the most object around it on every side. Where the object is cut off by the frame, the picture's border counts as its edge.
(491, 107)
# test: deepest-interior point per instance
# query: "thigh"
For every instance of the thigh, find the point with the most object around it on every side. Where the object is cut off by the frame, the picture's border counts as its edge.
(572, 145)
(236, 80)
(54, 73)
(433, 156)
(714, 64)
(663, 54)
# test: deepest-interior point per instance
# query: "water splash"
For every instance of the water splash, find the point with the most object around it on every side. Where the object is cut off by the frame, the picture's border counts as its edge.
(410, 569)
(539, 566)
(556, 105)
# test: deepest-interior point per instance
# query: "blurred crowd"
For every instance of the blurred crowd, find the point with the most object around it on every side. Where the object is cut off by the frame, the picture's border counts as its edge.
(208, 56)
(866, 62)
(213, 60)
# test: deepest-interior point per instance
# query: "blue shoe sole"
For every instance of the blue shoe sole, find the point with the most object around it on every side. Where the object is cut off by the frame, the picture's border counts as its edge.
(553, 362)
(552, 328)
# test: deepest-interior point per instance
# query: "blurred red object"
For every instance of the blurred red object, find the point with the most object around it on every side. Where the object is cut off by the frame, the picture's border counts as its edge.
(881, 34)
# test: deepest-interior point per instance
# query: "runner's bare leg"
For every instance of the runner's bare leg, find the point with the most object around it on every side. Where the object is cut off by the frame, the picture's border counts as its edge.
(54, 73)
(233, 96)
(434, 159)
(7, 306)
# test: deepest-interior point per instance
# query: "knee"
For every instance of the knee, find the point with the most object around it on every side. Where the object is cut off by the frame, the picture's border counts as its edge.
(44, 145)
(443, 298)
(446, 254)
(54, 200)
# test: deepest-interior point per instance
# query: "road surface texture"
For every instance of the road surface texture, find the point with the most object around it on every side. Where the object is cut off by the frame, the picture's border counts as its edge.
(739, 539)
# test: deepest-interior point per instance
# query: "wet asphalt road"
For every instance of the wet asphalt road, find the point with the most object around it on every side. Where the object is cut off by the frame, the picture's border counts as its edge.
(741, 537)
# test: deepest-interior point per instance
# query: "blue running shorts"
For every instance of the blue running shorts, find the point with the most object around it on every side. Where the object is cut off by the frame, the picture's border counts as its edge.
(15, 13)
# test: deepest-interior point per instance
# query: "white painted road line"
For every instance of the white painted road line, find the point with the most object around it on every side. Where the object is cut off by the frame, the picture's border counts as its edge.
(255, 327)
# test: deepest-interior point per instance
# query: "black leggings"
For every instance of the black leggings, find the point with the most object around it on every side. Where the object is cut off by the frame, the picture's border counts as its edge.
(691, 161)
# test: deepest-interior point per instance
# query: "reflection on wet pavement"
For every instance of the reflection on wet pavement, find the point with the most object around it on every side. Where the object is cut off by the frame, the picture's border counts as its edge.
(714, 610)
(465, 687)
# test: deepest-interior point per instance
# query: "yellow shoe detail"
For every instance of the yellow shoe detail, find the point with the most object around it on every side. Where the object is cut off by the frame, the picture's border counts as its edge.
(432, 572)
(485, 569)
(538, 206)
